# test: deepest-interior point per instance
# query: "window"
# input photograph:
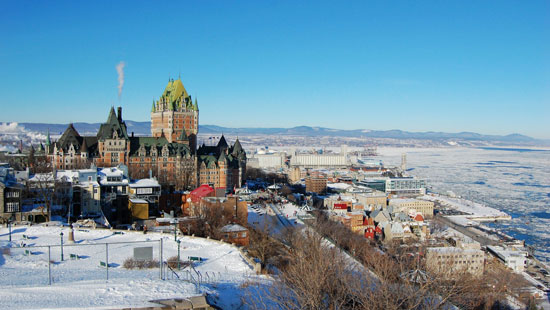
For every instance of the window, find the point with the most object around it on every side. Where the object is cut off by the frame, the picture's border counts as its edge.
(12, 207)
(12, 194)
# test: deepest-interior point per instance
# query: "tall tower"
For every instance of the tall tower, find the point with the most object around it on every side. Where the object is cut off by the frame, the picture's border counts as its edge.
(403, 162)
(175, 116)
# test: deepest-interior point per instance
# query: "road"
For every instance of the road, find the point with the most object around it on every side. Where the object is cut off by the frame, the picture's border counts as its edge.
(484, 241)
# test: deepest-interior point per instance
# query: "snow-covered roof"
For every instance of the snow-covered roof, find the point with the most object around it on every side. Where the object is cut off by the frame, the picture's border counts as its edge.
(137, 200)
(451, 249)
(41, 177)
(145, 183)
(342, 186)
(396, 228)
(402, 200)
(232, 228)
(111, 171)
(507, 252)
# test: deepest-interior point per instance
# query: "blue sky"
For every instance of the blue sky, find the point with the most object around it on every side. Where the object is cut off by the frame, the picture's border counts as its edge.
(450, 66)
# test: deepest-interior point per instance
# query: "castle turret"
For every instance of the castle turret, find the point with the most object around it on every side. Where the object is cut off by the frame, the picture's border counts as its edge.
(174, 113)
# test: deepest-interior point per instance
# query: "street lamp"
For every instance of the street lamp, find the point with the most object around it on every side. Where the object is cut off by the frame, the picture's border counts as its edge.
(61, 235)
(175, 231)
(179, 242)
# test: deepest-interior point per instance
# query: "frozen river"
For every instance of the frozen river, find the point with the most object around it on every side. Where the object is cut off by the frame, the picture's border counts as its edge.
(516, 181)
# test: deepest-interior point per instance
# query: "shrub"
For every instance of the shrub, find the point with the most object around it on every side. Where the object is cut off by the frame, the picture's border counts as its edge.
(6, 251)
(173, 262)
(131, 263)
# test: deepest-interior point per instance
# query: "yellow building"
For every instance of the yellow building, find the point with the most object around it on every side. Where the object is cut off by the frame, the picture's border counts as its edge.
(139, 208)
(406, 205)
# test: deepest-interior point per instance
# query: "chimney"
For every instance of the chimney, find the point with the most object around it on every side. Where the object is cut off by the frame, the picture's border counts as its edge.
(132, 134)
(120, 114)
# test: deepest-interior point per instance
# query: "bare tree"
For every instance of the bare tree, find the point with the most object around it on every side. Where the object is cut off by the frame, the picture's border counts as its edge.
(263, 247)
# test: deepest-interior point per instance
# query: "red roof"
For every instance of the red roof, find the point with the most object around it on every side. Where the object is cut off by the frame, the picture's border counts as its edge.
(200, 192)
(419, 218)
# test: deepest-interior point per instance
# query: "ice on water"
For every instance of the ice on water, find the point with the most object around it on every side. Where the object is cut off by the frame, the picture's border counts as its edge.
(512, 180)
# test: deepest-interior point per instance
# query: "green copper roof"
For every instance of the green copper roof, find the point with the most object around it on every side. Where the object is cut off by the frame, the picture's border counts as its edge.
(70, 136)
(183, 136)
(48, 140)
(111, 125)
(151, 142)
(174, 91)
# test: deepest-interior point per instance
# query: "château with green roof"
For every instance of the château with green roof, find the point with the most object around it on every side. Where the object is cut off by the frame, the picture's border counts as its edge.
(170, 154)
(175, 116)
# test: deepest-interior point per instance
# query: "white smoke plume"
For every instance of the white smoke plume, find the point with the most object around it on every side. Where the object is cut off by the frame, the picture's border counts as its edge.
(120, 70)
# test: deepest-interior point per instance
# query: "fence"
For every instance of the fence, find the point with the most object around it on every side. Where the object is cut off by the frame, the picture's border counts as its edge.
(47, 264)
(92, 259)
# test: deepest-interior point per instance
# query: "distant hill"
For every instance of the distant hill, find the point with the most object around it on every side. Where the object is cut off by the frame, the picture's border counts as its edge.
(144, 128)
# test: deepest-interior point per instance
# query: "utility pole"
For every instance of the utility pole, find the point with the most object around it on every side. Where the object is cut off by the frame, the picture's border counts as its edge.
(179, 242)
(107, 260)
(49, 265)
(61, 235)
(175, 231)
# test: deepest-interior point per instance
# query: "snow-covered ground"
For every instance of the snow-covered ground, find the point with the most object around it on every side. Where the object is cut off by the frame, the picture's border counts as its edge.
(473, 209)
(266, 218)
(82, 283)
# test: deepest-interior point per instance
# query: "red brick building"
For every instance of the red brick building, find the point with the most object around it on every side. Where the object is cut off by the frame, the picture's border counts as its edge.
(234, 233)
(175, 116)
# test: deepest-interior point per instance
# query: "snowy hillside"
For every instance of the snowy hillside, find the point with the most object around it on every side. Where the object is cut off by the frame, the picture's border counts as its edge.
(81, 283)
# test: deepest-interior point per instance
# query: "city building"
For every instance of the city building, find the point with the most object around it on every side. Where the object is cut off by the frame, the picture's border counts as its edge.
(295, 174)
(139, 209)
(174, 116)
(235, 233)
(146, 189)
(86, 192)
(11, 193)
(265, 160)
(451, 261)
(316, 160)
(406, 186)
(372, 200)
(170, 154)
(316, 184)
(511, 257)
(426, 208)
(222, 166)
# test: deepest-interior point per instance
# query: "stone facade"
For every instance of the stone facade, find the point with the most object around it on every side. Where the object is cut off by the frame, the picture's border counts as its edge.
(222, 166)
